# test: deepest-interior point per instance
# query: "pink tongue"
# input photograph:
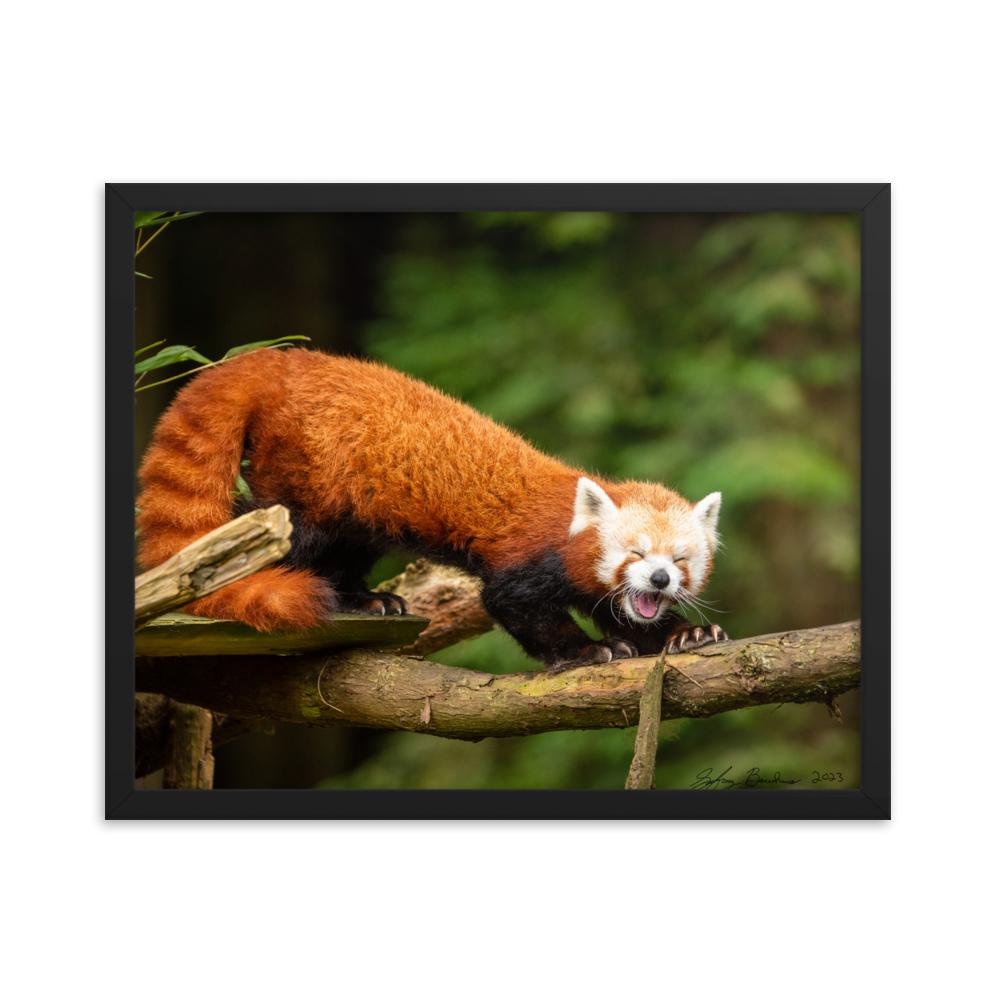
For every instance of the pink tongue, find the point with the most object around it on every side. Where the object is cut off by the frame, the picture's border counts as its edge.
(646, 604)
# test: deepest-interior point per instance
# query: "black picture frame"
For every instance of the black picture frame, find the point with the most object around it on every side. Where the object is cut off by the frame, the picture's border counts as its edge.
(871, 801)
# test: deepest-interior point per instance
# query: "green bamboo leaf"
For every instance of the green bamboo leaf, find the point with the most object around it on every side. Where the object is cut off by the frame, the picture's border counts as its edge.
(170, 355)
(139, 274)
(242, 488)
(259, 343)
(149, 348)
(144, 219)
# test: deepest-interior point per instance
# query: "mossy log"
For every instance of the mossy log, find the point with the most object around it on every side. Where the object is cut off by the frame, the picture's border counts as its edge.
(386, 691)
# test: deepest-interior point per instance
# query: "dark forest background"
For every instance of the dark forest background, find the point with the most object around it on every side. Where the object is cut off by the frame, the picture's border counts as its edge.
(707, 352)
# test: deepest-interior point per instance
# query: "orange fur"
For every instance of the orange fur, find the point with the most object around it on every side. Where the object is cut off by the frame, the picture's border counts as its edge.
(335, 438)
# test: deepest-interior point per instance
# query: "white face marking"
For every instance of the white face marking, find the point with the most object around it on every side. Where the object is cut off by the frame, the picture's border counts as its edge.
(673, 545)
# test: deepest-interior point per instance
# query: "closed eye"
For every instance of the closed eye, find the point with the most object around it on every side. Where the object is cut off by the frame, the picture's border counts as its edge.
(641, 555)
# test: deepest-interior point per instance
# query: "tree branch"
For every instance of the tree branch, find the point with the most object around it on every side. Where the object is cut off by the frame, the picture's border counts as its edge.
(449, 597)
(387, 691)
(393, 691)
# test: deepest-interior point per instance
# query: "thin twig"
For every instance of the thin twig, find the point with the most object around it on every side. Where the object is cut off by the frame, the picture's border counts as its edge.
(153, 237)
(683, 674)
(320, 693)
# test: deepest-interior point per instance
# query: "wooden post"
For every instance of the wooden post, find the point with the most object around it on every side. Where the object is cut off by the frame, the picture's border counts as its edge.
(189, 763)
(642, 773)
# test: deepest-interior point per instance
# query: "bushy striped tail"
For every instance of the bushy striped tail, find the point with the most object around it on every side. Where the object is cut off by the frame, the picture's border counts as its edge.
(188, 479)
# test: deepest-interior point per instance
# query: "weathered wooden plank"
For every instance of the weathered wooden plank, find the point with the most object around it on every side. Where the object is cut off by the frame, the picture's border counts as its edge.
(232, 552)
(178, 634)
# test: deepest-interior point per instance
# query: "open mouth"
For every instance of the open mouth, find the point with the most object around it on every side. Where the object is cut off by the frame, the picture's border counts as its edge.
(645, 605)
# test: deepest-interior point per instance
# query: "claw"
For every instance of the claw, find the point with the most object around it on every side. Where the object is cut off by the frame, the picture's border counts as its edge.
(695, 636)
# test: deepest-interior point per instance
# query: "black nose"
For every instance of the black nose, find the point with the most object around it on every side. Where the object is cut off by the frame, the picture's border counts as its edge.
(660, 578)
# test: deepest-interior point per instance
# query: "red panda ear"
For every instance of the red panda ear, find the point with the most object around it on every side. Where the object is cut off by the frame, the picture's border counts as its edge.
(706, 512)
(592, 507)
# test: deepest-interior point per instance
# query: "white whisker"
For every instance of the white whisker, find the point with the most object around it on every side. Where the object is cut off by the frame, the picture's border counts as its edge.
(704, 608)
(611, 603)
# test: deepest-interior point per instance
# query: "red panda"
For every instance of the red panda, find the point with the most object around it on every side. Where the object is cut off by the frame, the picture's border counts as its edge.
(367, 459)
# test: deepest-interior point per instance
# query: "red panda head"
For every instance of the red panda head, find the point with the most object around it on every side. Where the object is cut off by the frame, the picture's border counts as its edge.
(654, 547)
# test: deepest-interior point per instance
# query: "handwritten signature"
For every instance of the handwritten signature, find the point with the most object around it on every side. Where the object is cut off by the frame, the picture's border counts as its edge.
(705, 779)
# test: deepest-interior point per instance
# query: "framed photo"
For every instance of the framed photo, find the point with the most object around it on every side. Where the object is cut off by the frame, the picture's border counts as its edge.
(709, 337)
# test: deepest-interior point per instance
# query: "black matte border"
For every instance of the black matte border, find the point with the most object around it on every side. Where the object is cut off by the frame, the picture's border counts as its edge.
(123, 801)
